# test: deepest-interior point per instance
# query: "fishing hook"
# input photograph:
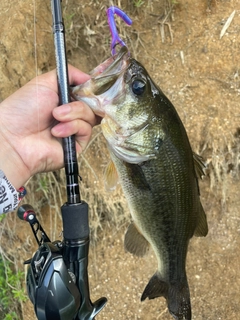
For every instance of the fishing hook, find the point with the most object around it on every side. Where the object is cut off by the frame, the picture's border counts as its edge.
(112, 25)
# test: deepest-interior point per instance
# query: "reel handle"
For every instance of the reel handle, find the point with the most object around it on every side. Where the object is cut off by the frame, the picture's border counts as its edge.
(27, 213)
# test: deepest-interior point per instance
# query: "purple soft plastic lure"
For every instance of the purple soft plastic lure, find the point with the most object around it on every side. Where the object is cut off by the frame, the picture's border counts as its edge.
(115, 37)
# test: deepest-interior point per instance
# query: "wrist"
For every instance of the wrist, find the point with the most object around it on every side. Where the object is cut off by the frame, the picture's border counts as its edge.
(12, 166)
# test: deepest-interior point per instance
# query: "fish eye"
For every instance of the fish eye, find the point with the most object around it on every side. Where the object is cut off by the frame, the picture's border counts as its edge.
(138, 87)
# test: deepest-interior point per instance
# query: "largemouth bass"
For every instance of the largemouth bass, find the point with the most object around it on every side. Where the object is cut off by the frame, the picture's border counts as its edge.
(156, 167)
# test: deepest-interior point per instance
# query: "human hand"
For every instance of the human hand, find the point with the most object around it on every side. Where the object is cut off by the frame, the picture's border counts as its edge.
(29, 131)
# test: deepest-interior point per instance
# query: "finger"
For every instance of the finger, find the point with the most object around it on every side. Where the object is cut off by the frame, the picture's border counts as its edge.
(75, 110)
(49, 79)
(83, 137)
(76, 76)
(81, 129)
(66, 129)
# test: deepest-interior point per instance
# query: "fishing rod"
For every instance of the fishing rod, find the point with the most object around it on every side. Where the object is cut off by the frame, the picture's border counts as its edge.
(57, 277)
(69, 146)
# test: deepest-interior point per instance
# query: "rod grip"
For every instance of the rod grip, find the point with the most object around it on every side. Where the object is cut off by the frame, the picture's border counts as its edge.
(75, 221)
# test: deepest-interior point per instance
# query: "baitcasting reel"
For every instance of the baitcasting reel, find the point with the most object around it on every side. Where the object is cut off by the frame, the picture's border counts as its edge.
(56, 292)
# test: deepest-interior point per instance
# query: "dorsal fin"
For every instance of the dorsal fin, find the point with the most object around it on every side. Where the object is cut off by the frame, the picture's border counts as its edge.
(199, 165)
(202, 226)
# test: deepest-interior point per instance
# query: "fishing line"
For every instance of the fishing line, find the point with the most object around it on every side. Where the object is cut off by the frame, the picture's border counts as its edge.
(35, 36)
(36, 68)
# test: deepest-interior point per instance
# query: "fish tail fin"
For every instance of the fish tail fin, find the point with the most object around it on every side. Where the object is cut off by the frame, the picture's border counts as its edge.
(179, 304)
(155, 288)
(176, 294)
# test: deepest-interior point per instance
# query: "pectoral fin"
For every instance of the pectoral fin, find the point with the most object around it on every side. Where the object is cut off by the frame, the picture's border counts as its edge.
(135, 242)
(202, 226)
(110, 177)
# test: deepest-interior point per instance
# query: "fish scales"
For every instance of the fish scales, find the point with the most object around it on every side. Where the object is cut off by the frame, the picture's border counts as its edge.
(157, 169)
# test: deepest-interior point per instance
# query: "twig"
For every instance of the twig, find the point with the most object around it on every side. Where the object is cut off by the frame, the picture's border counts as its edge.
(227, 24)
(163, 21)
(162, 313)
(89, 166)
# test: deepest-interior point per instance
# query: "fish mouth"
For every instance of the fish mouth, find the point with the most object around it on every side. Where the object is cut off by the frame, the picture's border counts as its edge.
(113, 65)
(104, 76)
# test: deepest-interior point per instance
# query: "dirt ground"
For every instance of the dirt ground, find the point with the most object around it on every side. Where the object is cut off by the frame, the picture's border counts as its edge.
(199, 72)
